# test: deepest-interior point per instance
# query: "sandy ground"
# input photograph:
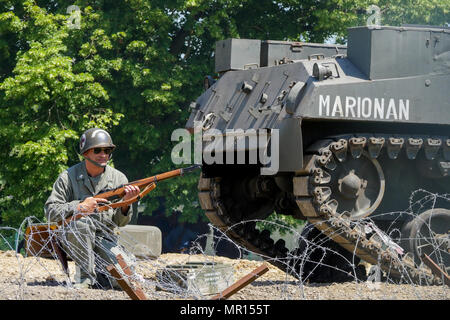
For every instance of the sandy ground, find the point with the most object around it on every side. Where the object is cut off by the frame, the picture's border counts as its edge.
(34, 278)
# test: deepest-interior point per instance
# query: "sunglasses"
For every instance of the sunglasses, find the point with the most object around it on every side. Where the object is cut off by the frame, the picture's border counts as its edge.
(105, 150)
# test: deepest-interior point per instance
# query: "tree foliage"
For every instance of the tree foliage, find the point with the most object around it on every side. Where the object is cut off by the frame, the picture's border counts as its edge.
(44, 104)
(132, 68)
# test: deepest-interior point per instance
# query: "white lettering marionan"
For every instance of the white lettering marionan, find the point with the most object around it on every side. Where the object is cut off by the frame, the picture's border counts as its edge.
(363, 107)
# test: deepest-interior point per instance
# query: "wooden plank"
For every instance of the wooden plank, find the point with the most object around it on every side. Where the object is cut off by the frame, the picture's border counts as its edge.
(435, 269)
(126, 269)
(134, 293)
(37, 240)
(249, 278)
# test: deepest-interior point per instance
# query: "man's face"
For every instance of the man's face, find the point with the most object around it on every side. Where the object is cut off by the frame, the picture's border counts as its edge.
(99, 155)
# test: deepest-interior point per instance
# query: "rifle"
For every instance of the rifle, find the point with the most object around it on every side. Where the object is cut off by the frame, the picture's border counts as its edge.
(145, 185)
(40, 238)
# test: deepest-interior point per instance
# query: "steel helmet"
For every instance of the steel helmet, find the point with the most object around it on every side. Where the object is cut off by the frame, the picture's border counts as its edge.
(93, 138)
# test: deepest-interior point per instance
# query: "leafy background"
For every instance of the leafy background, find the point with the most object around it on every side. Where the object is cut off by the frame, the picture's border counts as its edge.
(132, 68)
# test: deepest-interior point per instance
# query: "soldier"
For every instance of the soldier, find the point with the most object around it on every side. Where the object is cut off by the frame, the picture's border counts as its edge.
(90, 241)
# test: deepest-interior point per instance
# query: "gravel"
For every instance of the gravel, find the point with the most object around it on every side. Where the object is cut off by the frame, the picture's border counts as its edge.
(34, 278)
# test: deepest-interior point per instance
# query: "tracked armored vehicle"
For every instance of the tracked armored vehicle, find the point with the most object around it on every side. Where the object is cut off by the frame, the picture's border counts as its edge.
(355, 134)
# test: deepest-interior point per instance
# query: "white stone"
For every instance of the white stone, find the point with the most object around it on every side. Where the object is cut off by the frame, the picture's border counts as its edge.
(142, 241)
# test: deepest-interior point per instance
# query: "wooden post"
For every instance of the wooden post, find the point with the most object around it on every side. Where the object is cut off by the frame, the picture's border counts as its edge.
(60, 253)
(249, 278)
(435, 269)
(126, 269)
(136, 292)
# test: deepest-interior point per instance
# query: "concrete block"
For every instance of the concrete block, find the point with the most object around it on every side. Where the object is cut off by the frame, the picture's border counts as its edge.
(143, 241)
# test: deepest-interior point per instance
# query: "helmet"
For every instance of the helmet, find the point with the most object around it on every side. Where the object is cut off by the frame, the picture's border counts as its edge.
(93, 138)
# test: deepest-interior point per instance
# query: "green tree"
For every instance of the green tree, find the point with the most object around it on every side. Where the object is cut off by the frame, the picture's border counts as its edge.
(45, 103)
(141, 62)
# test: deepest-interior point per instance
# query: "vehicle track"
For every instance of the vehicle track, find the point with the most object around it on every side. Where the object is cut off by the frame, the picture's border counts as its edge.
(314, 189)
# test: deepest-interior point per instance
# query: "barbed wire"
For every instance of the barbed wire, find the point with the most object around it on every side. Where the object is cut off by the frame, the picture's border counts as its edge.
(92, 245)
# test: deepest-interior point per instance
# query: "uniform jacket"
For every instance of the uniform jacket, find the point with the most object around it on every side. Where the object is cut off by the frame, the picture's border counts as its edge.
(73, 186)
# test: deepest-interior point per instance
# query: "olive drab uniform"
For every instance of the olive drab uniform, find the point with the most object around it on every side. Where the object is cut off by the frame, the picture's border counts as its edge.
(88, 240)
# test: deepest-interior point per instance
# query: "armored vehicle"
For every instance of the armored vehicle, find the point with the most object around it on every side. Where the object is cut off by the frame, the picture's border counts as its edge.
(356, 140)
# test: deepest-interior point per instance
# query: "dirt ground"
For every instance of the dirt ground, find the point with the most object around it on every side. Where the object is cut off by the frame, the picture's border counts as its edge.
(43, 279)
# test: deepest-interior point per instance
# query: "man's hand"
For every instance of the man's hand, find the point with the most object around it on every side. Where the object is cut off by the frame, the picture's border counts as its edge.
(90, 204)
(130, 192)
